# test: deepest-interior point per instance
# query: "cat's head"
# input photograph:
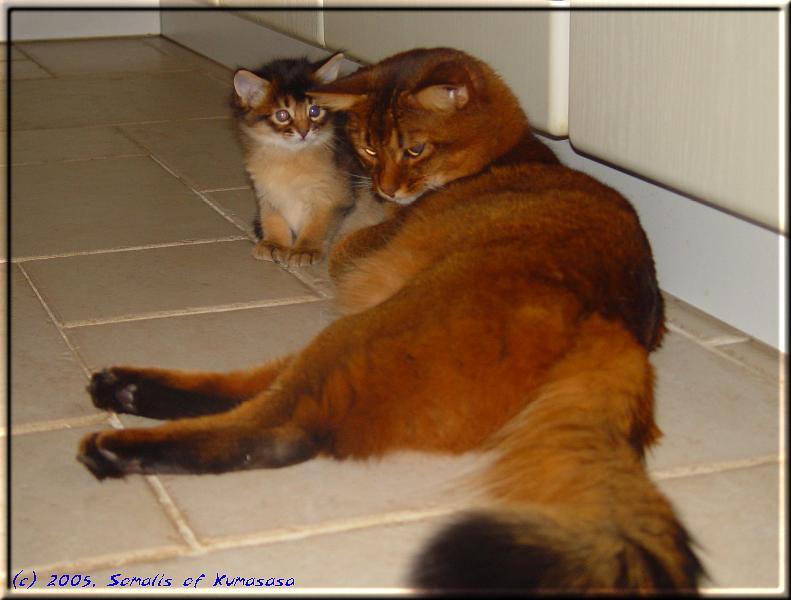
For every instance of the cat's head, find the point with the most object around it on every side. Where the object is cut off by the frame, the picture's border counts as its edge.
(274, 108)
(424, 118)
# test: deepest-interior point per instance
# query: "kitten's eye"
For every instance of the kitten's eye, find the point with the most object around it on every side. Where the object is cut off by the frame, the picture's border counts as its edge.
(369, 151)
(282, 116)
(416, 150)
(314, 111)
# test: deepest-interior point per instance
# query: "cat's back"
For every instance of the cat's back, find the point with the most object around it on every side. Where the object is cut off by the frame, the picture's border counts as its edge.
(551, 223)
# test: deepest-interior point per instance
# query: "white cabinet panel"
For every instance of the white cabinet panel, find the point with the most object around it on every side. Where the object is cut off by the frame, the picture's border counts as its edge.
(688, 99)
(528, 48)
(306, 25)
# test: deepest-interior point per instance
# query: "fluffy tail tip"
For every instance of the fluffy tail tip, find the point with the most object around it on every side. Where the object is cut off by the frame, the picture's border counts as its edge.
(481, 552)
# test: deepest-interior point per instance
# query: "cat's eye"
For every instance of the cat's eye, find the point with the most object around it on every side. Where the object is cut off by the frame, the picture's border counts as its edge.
(282, 116)
(314, 112)
(369, 151)
(415, 150)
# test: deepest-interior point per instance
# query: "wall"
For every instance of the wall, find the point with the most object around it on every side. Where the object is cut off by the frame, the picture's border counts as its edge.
(720, 263)
(52, 24)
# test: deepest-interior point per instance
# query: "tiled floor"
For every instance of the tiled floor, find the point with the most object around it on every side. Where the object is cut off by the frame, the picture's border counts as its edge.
(131, 244)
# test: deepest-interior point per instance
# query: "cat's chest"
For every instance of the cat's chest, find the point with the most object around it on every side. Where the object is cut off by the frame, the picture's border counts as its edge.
(293, 182)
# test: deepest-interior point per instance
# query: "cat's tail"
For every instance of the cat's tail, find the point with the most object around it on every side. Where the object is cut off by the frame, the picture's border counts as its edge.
(574, 509)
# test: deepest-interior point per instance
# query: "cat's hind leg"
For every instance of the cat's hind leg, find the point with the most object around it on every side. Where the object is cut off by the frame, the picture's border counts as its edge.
(172, 394)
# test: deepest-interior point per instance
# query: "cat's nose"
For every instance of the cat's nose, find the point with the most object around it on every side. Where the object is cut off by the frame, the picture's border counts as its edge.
(388, 191)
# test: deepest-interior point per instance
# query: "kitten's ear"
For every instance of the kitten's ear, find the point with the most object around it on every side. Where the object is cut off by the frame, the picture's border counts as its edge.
(250, 88)
(442, 97)
(343, 94)
(328, 72)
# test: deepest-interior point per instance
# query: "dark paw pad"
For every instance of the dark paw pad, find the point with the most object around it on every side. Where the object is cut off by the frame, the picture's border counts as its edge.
(113, 391)
(101, 463)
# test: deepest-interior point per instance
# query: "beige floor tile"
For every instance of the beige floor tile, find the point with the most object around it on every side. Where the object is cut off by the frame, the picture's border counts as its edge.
(321, 490)
(99, 57)
(205, 153)
(193, 59)
(146, 282)
(16, 54)
(698, 324)
(54, 145)
(222, 341)
(25, 69)
(238, 205)
(734, 517)
(710, 409)
(105, 204)
(759, 357)
(116, 99)
(48, 381)
(340, 560)
(60, 512)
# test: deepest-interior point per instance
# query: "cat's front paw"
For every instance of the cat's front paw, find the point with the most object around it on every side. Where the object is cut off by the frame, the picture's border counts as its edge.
(266, 250)
(114, 390)
(102, 463)
(303, 257)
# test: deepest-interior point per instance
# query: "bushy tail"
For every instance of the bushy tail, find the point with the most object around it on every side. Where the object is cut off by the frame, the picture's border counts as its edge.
(574, 509)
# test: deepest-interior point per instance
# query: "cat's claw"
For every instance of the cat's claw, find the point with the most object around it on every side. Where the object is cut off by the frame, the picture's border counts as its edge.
(109, 392)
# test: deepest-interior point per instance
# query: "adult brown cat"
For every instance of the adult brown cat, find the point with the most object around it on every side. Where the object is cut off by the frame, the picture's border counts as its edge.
(509, 304)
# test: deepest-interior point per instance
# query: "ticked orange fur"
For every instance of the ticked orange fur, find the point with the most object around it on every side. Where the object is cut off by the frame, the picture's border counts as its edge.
(509, 303)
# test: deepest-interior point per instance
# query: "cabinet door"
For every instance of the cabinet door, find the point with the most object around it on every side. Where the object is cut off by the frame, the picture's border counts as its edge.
(529, 48)
(690, 99)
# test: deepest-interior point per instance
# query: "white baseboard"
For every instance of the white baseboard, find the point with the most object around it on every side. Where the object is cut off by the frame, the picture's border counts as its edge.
(727, 267)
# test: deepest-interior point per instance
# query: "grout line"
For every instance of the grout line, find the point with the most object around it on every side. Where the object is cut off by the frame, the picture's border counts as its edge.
(75, 160)
(717, 467)
(308, 282)
(56, 424)
(219, 210)
(176, 516)
(192, 311)
(230, 238)
(714, 348)
(164, 499)
(51, 315)
(111, 560)
(226, 189)
(352, 524)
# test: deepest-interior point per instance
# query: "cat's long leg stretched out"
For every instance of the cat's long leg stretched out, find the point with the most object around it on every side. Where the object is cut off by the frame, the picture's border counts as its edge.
(370, 383)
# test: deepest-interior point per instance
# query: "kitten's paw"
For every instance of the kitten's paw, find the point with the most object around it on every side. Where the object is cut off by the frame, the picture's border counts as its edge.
(115, 390)
(270, 251)
(102, 463)
(303, 257)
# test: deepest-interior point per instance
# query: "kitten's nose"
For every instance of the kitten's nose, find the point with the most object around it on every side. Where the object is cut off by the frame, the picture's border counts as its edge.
(303, 132)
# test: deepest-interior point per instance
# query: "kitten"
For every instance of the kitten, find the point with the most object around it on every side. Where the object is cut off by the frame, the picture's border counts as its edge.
(306, 179)
(509, 304)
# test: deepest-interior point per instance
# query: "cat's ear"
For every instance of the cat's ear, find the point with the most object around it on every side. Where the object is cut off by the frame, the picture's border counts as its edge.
(444, 97)
(343, 94)
(328, 71)
(250, 88)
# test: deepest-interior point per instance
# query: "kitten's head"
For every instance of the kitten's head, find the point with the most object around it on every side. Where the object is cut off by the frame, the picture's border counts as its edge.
(273, 105)
(424, 118)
